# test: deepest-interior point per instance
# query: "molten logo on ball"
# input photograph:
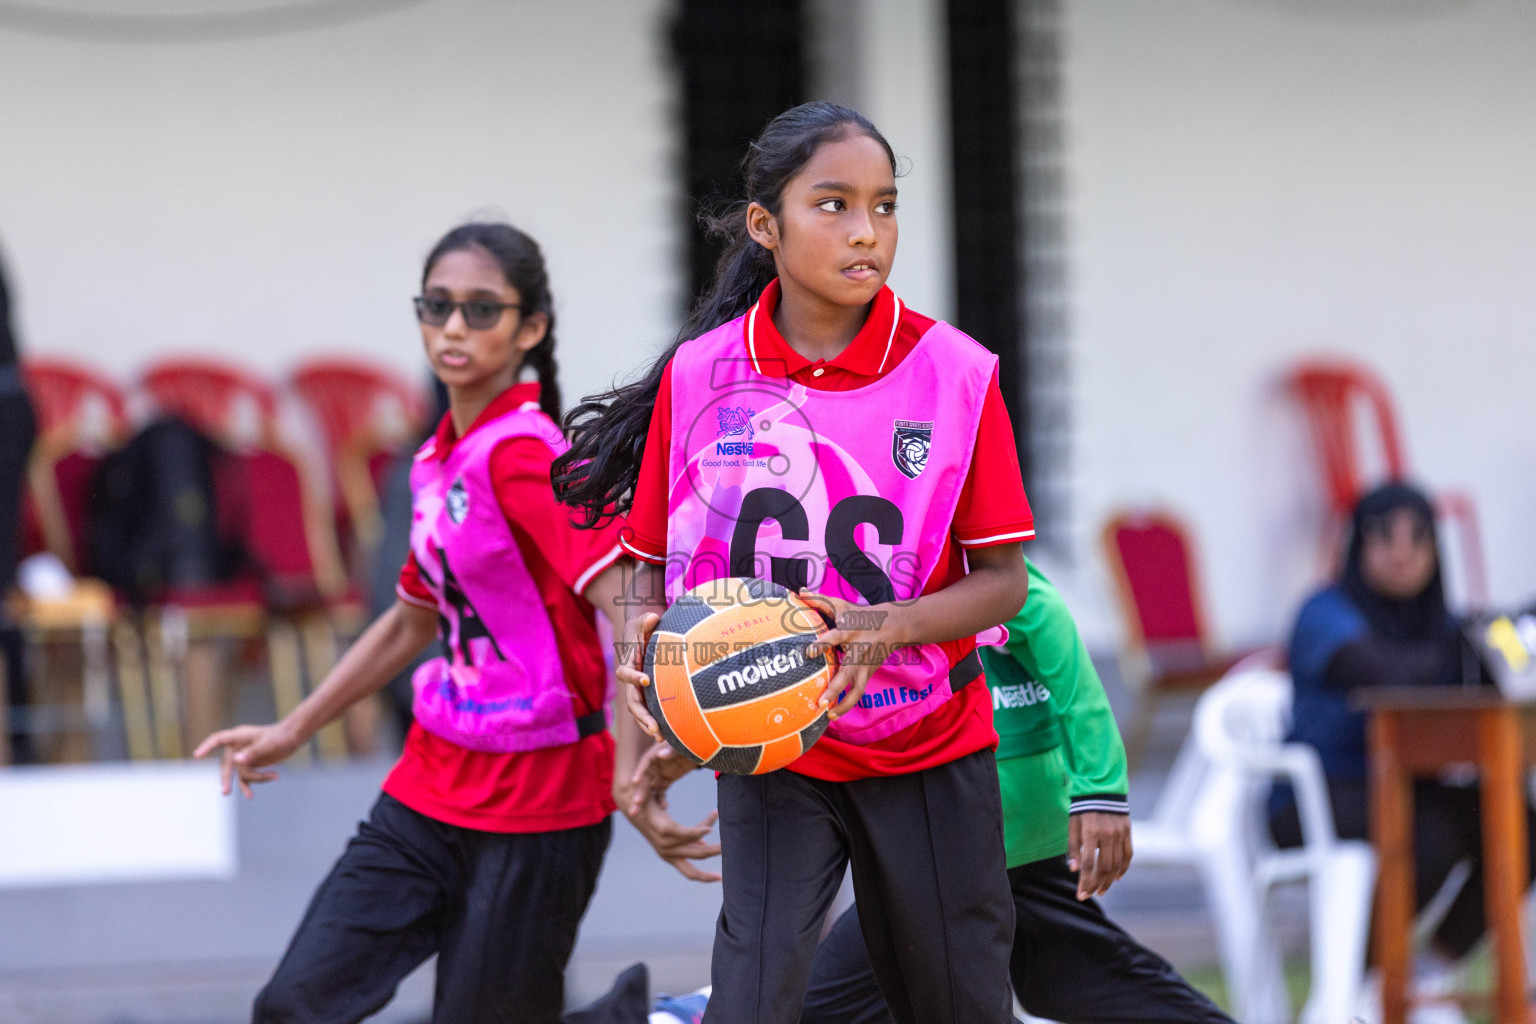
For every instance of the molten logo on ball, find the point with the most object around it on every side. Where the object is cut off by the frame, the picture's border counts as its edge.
(762, 668)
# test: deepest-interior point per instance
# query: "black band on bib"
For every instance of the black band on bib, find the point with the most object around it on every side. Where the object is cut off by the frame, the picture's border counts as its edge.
(964, 671)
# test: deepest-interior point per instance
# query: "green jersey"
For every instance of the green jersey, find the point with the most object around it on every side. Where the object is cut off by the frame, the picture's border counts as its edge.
(1059, 751)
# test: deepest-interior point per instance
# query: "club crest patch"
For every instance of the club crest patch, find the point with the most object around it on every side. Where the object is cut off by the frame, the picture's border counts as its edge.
(910, 440)
(457, 501)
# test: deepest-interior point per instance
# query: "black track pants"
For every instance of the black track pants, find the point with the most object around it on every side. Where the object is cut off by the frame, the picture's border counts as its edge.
(929, 871)
(1070, 963)
(499, 910)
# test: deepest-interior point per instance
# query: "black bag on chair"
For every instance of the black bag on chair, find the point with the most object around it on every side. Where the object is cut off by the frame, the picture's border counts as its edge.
(151, 519)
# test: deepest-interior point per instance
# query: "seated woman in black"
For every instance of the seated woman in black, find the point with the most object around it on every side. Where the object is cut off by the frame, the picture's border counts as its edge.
(1385, 624)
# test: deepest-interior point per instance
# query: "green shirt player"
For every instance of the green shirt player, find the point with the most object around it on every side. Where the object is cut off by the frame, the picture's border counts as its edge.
(1066, 829)
(1060, 761)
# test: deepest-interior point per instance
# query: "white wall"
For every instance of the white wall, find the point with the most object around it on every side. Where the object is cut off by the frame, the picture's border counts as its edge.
(889, 59)
(268, 199)
(1252, 182)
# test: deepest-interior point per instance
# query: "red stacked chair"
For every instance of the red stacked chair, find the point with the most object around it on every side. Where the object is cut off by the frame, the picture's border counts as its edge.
(1332, 393)
(1169, 651)
(366, 415)
(269, 499)
(81, 417)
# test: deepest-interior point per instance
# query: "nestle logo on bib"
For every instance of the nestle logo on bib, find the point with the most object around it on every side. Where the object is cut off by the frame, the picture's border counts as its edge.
(735, 422)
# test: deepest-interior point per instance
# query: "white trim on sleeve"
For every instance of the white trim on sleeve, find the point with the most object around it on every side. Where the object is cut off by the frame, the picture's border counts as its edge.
(997, 538)
(644, 556)
(612, 555)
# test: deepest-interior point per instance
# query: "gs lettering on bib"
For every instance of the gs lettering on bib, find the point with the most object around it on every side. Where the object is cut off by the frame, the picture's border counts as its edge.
(851, 493)
(499, 684)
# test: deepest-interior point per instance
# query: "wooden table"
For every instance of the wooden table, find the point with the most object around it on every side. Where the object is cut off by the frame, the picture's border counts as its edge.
(1418, 732)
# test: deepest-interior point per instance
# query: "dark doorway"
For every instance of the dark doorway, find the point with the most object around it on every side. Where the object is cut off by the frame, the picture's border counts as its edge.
(1006, 118)
(984, 119)
(741, 63)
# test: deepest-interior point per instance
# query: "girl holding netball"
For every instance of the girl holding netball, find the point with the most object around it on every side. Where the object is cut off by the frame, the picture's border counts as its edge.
(486, 843)
(875, 470)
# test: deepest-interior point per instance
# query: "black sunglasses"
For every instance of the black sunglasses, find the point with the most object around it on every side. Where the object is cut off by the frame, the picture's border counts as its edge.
(479, 314)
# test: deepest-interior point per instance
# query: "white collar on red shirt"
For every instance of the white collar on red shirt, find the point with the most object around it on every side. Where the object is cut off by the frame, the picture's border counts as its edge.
(859, 357)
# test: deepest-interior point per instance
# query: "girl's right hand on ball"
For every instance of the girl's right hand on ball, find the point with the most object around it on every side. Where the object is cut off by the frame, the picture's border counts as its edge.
(629, 662)
(247, 750)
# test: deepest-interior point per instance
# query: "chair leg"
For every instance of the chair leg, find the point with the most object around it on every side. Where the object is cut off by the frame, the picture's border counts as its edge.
(132, 691)
(204, 678)
(167, 641)
(98, 699)
(1140, 728)
(1339, 920)
(283, 663)
(319, 657)
(1255, 983)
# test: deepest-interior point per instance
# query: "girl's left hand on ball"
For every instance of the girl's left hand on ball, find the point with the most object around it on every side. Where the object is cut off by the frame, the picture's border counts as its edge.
(629, 662)
(864, 635)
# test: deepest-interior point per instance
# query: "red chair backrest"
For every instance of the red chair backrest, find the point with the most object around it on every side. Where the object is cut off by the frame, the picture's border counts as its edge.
(275, 534)
(80, 415)
(347, 398)
(64, 392)
(209, 395)
(1154, 567)
(1329, 392)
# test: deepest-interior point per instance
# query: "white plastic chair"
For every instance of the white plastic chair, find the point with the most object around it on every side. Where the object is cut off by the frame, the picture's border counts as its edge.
(1197, 824)
(1211, 817)
(1240, 726)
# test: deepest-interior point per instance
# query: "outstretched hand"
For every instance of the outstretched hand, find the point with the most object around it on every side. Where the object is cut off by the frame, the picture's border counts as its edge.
(677, 844)
(247, 750)
(644, 802)
(657, 769)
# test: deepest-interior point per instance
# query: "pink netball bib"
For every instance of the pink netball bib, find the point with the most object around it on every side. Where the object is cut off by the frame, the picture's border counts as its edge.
(851, 493)
(499, 685)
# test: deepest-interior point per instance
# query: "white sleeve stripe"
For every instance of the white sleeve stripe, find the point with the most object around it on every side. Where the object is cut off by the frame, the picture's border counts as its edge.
(644, 556)
(1016, 535)
(1101, 804)
(410, 599)
(612, 555)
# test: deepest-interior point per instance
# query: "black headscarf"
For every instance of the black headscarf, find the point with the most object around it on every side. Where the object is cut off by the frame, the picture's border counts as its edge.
(1420, 619)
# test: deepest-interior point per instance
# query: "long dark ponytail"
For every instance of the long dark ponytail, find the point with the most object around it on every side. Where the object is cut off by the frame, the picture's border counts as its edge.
(522, 263)
(597, 476)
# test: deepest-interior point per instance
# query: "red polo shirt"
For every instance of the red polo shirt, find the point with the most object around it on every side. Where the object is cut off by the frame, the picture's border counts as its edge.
(536, 790)
(992, 510)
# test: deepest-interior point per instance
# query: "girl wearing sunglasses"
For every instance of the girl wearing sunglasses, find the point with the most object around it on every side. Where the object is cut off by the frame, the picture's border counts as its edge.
(485, 845)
